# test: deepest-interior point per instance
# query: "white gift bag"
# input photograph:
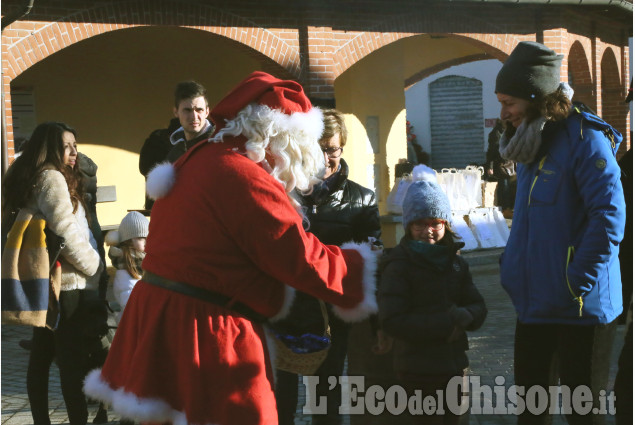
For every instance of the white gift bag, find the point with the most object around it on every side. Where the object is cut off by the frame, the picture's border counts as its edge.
(396, 196)
(473, 187)
(485, 229)
(461, 228)
(501, 223)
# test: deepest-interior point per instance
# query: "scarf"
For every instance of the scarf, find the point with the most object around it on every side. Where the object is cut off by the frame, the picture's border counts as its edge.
(524, 144)
(322, 190)
(436, 255)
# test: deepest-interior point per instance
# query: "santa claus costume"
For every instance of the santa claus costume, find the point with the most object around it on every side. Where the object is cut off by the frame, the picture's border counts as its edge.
(225, 250)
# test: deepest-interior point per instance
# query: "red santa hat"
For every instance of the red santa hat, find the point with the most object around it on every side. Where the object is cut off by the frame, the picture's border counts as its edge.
(284, 96)
(292, 111)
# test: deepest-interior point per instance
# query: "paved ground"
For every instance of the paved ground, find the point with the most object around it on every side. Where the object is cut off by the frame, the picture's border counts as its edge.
(491, 355)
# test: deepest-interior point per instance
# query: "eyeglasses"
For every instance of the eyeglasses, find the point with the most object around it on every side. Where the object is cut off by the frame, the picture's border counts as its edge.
(333, 152)
(435, 225)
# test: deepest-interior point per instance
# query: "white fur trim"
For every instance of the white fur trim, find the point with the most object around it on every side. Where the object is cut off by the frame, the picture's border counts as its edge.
(129, 405)
(270, 346)
(160, 180)
(287, 302)
(368, 305)
(311, 122)
(112, 238)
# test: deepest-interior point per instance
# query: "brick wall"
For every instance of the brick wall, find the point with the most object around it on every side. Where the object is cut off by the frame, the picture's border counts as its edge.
(315, 42)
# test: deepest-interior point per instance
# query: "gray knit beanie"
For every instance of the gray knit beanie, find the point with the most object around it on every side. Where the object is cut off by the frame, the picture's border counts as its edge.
(425, 199)
(531, 72)
(133, 225)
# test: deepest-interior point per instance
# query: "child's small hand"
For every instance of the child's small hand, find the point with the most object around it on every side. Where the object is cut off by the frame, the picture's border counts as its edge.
(384, 343)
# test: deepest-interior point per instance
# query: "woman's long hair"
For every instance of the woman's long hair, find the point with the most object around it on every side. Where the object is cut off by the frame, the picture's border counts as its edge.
(130, 261)
(555, 106)
(44, 149)
(450, 236)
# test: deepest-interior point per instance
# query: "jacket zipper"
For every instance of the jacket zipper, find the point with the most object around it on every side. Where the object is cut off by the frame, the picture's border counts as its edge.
(542, 162)
(579, 299)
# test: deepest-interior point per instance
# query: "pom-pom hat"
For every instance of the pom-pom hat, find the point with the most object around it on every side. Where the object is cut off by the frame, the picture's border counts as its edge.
(531, 72)
(425, 199)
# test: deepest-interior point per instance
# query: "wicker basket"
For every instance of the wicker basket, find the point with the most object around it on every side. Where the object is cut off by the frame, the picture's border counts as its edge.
(302, 364)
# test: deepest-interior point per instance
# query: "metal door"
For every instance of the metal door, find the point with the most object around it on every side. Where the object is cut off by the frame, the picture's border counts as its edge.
(456, 122)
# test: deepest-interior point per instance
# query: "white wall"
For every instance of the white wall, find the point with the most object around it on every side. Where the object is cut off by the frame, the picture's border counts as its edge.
(418, 101)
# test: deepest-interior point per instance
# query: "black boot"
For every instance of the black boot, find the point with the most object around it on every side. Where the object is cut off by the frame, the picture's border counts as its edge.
(102, 415)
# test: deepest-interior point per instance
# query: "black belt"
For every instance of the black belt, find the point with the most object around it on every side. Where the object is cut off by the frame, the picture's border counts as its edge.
(204, 295)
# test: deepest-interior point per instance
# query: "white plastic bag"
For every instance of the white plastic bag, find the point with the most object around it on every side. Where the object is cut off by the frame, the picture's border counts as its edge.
(460, 227)
(485, 229)
(473, 188)
(501, 223)
(448, 181)
(396, 196)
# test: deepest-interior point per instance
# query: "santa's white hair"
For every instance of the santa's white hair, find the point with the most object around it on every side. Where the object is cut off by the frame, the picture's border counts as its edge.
(292, 140)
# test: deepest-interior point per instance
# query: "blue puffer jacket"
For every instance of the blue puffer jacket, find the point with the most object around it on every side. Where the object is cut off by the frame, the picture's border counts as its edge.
(561, 261)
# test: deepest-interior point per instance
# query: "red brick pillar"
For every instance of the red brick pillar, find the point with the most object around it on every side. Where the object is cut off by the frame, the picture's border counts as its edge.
(321, 66)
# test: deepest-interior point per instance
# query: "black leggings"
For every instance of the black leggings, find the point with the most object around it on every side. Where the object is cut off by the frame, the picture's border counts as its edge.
(65, 344)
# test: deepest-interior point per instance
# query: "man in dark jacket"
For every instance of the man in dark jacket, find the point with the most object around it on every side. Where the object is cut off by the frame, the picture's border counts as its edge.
(192, 109)
(338, 210)
(188, 127)
(155, 150)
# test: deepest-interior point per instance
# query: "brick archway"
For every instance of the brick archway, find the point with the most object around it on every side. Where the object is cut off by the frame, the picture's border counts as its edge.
(25, 49)
(580, 75)
(497, 46)
(293, 43)
(414, 79)
(50, 38)
(614, 110)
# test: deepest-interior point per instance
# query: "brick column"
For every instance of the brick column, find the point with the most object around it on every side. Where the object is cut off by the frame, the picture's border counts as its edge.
(8, 111)
(321, 65)
(558, 40)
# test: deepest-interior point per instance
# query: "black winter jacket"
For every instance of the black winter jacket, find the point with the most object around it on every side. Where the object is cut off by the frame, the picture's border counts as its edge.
(415, 298)
(346, 212)
(181, 146)
(156, 147)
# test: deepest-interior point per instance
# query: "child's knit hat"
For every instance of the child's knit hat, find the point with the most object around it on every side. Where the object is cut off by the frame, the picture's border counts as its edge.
(425, 199)
(133, 225)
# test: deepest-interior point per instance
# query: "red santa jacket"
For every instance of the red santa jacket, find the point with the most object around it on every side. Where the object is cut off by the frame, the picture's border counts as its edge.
(228, 226)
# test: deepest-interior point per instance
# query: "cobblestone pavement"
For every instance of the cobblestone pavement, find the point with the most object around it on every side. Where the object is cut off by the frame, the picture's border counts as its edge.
(491, 355)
